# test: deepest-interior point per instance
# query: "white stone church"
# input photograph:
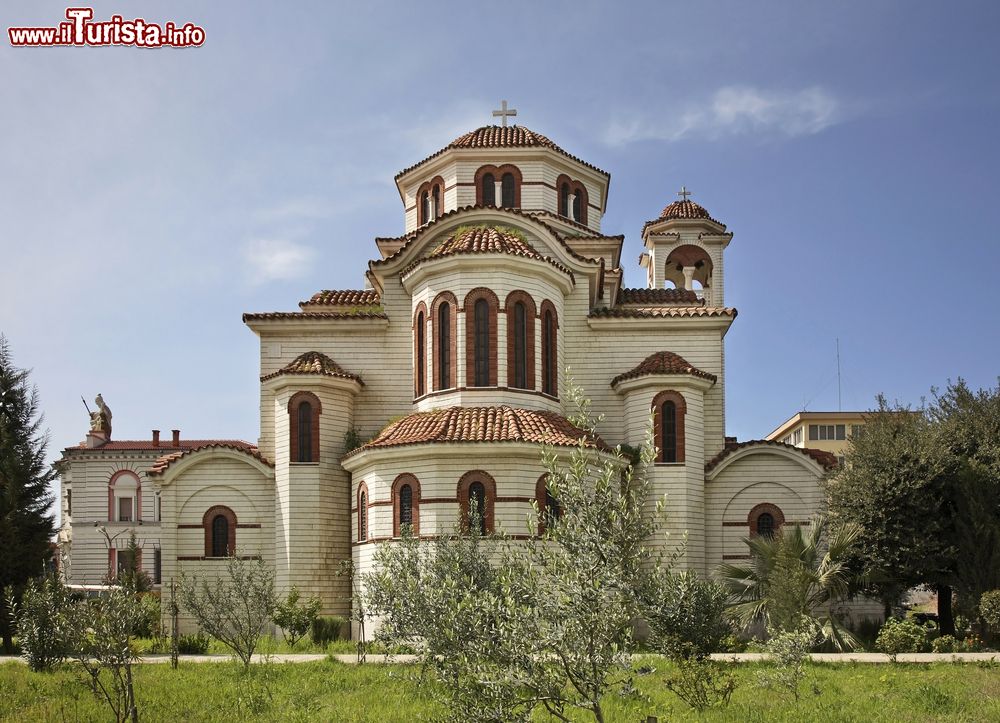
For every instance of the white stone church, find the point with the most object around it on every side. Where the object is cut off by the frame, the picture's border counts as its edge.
(450, 361)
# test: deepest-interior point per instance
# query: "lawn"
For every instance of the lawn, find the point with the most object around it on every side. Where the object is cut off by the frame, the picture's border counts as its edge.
(330, 691)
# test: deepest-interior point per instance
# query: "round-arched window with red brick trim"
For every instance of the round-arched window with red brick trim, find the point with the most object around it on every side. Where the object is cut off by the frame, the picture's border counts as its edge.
(219, 523)
(304, 409)
(477, 491)
(405, 505)
(669, 410)
(765, 520)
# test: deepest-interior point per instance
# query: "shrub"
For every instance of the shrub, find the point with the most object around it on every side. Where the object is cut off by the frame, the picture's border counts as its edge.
(43, 626)
(789, 651)
(196, 644)
(686, 618)
(701, 683)
(944, 644)
(900, 636)
(294, 618)
(989, 608)
(149, 624)
(327, 628)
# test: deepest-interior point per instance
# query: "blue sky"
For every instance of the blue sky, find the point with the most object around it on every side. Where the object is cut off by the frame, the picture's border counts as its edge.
(149, 197)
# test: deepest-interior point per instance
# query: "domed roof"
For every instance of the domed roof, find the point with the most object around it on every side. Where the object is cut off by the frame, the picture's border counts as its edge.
(314, 362)
(501, 137)
(663, 362)
(486, 240)
(685, 209)
(483, 424)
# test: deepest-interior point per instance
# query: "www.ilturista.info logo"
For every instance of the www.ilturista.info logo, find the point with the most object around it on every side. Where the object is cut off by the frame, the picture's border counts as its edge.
(81, 30)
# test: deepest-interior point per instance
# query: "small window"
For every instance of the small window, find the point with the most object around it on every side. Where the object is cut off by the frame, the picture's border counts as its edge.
(421, 350)
(577, 207)
(855, 430)
(669, 430)
(765, 525)
(669, 409)
(435, 202)
(476, 497)
(841, 431)
(157, 566)
(477, 505)
(125, 509)
(69, 502)
(797, 437)
(813, 432)
(549, 351)
(444, 346)
(564, 199)
(123, 497)
(220, 536)
(305, 452)
(363, 516)
(406, 505)
(489, 191)
(507, 189)
(304, 409)
(425, 207)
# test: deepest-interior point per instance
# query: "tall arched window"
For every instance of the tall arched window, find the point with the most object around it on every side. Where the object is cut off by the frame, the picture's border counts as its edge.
(477, 491)
(219, 524)
(549, 350)
(304, 409)
(419, 352)
(124, 497)
(362, 512)
(220, 536)
(429, 197)
(520, 341)
(481, 306)
(669, 409)
(564, 199)
(488, 186)
(508, 189)
(435, 202)
(425, 207)
(481, 356)
(578, 207)
(549, 508)
(443, 320)
(405, 505)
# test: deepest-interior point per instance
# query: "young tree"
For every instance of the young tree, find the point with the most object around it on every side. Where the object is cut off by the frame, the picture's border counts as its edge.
(295, 618)
(793, 577)
(25, 522)
(509, 627)
(43, 622)
(236, 607)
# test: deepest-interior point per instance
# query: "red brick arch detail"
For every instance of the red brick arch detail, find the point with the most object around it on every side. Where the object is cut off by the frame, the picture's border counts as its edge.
(405, 479)
(577, 188)
(419, 389)
(293, 425)
(206, 522)
(758, 510)
(550, 354)
(137, 512)
(444, 296)
(428, 187)
(490, 484)
(470, 334)
(678, 399)
(363, 513)
(530, 310)
(540, 486)
(498, 173)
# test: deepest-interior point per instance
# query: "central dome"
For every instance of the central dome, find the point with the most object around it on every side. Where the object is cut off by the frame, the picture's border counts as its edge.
(685, 209)
(485, 240)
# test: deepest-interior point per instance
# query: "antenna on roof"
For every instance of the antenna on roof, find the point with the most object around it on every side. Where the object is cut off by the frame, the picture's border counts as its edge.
(840, 407)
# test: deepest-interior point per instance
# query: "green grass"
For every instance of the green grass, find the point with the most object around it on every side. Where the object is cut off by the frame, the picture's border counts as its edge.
(325, 691)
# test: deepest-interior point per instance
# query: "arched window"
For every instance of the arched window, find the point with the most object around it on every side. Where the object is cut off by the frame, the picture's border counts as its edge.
(477, 491)
(669, 409)
(572, 199)
(219, 524)
(443, 319)
(564, 198)
(419, 352)
(765, 520)
(220, 536)
(303, 420)
(481, 307)
(435, 202)
(508, 190)
(578, 208)
(405, 505)
(520, 341)
(488, 186)
(425, 207)
(429, 197)
(482, 345)
(550, 357)
(549, 508)
(362, 512)
(124, 497)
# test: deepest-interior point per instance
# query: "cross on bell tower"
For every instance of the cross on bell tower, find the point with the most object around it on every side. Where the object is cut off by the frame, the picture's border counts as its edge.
(684, 193)
(503, 113)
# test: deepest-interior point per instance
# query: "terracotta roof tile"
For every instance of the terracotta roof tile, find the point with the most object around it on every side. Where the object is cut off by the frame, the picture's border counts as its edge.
(163, 463)
(501, 137)
(619, 312)
(827, 459)
(482, 424)
(659, 296)
(685, 209)
(144, 445)
(343, 297)
(663, 362)
(486, 240)
(312, 315)
(314, 362)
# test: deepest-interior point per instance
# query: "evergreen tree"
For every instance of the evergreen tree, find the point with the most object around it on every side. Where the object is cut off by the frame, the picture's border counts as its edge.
(26, 525)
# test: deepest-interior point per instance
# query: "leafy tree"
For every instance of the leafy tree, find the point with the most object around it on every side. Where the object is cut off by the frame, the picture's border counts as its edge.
(895, 488)
(295, 618)
(25, 523)
(43, 622)
(509, 627)
(686, 615)
(235, 607)
(794, 576)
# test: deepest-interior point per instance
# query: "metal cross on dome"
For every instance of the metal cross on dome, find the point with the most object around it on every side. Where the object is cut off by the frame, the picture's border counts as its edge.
(684, 193)
(503, 113)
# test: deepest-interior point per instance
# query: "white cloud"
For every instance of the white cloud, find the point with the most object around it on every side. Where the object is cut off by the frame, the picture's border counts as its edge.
(733, 111)
(276, 260)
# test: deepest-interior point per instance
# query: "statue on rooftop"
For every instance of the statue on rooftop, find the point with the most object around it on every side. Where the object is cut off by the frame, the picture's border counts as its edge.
(100, 420)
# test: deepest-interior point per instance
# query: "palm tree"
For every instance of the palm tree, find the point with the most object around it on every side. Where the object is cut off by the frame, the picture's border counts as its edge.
(794, 575)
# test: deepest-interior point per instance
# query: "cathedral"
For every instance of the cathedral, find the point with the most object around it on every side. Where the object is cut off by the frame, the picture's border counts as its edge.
(435, 386)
